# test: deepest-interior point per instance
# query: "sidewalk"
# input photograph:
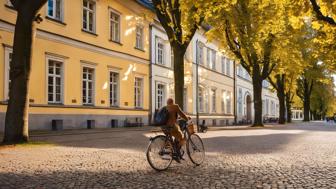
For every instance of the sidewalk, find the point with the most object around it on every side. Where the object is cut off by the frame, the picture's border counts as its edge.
(145, 129)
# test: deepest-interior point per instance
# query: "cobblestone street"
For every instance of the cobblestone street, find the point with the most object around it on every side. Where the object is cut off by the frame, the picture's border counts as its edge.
(297, 156)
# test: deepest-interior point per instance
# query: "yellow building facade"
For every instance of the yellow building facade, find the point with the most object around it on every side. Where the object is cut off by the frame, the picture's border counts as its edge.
(90, 61)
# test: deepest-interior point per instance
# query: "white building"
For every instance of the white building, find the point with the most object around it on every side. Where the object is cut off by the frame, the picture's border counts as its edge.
(245, 105)
(215, 95)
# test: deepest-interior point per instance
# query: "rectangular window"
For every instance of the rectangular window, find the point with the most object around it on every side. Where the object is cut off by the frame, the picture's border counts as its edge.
(213, 99)
(160, 95)
(185, 99)
(201, 99)
(54, 9)
(115, 26)
(213, 60)
(89, 15)
(8, 60)
(114, 88)
(209, 57)
(138, 92)
(267, 106)
(228, 67)
(206, 101)
(223, 101)
(54, 81)
(88, 86)
(199, 49)
(160, 51)
(240, 101)
(263, 107)
(228, 102)
(223, 59)
(139, 37)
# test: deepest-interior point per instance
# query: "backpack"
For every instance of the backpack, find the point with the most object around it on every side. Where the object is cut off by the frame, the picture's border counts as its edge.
(161, 116)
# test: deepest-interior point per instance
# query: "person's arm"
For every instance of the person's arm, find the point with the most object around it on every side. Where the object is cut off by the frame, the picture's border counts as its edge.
(182, 114)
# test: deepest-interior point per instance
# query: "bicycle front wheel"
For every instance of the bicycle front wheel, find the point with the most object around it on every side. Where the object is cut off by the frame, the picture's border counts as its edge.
(195, 149)
(159, 153)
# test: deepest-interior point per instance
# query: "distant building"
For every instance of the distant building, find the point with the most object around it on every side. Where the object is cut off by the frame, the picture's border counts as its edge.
(244, 99)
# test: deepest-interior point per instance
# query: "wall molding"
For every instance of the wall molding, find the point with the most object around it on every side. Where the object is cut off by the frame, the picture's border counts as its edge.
(43, 34)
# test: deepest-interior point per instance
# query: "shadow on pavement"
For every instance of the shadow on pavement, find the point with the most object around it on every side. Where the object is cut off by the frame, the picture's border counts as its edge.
(138, 141)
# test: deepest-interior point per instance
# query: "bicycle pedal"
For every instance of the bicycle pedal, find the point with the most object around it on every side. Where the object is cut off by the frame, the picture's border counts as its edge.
(177, 159)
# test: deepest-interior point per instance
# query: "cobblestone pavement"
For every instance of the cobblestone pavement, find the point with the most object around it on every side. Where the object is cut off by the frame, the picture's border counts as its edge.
(297, 156)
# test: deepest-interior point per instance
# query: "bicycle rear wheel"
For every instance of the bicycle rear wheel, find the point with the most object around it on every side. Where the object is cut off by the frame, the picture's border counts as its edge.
(195, 149)
(159, 153)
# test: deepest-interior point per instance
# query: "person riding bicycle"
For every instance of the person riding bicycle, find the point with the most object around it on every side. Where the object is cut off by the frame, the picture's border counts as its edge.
(174, 129)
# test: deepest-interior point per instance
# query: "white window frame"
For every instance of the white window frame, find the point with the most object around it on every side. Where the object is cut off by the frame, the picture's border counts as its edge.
(200, 53)
(223, 101)
(62, 61)
(53, 16)
(223, 64)
(115, 37)
(157, 42)
(208, 58)
(213, 100)
(228, 67)
(136, 100)
(111, 101)
(185, 99)
(87, 18)
(8, 50)
(267, 106)
(93, 84)
(139, 37)
(206, 100)
(213, 59)
(163, 95)
(240, 101)
(228, 102)
(201, 99)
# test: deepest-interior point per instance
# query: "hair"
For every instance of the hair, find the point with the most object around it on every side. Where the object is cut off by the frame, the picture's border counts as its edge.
(170, 101)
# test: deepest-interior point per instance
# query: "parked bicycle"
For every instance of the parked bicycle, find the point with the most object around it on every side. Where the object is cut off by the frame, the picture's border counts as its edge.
(163, 149)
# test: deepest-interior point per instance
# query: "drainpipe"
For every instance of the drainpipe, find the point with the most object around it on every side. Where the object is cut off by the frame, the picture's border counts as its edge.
(196, 100)
(150, 76)
(235, 92)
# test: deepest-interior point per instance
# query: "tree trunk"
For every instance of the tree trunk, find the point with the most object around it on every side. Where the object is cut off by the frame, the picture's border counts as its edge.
(282, 106)
(280, 89)
(257, 92)
(306, 102)
(16, 122)
(289, 107)
(178, 75)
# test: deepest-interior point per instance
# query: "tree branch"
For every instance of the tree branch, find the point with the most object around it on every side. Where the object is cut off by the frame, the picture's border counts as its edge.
(164, 18)
(234, 48)
(267, 56)
(274, 85)
(319, 14)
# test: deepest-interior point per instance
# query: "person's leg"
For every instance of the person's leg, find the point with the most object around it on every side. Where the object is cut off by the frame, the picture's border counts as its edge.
(177, 133)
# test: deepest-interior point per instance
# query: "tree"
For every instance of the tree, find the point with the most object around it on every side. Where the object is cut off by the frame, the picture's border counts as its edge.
(249, 30)
(327, 14)
(16, 123)
(289, 64)
(180, 20)
(322, 98)
(305, 86)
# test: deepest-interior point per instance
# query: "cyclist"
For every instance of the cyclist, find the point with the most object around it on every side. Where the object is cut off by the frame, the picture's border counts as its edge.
(174, 129)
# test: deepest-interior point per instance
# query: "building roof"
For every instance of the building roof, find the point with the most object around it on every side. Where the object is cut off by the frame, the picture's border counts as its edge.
(146, 3)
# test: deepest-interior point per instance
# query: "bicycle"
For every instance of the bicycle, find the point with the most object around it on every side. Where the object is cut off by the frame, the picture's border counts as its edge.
(163, 149)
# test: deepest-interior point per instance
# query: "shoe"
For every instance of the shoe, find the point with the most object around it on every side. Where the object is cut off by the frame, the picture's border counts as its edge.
(177, 159)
